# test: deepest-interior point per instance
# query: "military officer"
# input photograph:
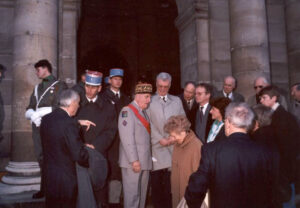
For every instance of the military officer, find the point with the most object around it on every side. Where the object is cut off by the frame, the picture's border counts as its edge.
(42, 101)
(118, 99)
(135, 147)
(98, 110)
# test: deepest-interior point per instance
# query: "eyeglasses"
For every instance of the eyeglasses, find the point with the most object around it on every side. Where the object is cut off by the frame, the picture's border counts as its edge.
(259, 86)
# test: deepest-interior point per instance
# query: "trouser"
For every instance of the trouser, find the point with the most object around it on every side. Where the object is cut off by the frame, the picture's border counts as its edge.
(135, 187)
(38, 153)
(161, 188)
(115, 189)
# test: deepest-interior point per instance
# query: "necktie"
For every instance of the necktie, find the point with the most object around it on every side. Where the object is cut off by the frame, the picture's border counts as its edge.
(117, 95)
(227, 95)
(164, 98)
(201, 113)
(189, 104)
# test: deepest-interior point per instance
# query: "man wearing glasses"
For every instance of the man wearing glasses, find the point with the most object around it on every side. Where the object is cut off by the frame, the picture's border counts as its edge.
(259, 83)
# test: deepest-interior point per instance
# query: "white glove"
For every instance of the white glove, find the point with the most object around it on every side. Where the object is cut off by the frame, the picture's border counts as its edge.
(44, 111)
(29, 113)
(37, 121)
(35, 115)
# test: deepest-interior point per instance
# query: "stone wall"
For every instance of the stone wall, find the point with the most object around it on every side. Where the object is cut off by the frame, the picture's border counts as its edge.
(6, 59)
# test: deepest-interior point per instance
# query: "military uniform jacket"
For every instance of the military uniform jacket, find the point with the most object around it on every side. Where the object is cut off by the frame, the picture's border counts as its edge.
(46, 98)
(159, 112)
(113, 152)
(103, 115)
(135, 139)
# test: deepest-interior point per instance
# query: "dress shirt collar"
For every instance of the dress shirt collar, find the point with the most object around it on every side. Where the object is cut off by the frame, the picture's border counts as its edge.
(204, 108)
(115, 92)
(230, 95)
(275, 106)
(93, 100)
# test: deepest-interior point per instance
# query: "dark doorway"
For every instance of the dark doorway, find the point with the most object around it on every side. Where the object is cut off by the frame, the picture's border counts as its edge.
(136, 35)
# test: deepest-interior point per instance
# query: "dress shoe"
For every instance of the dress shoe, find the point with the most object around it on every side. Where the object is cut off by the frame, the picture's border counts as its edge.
(38, 195)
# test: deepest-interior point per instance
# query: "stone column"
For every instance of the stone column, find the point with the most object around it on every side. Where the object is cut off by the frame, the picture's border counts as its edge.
(6, 59)
(68, 25)
(278, 45)
(292, 14)
(35, 37)
(192, 23)
(249, 42)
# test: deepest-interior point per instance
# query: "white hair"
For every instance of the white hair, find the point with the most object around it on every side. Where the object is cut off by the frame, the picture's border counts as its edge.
(164, 76)
(264, 78)
(240, 115)
(66, 97)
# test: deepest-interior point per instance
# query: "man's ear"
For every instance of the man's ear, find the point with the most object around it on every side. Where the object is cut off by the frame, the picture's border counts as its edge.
(109, 80)
(99, 88)
(274, 98)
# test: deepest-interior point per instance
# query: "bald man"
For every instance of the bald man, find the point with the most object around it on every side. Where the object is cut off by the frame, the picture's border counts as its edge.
(229, 85)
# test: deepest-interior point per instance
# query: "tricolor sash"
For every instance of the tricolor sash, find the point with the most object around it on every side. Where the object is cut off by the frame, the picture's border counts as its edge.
(145, 123)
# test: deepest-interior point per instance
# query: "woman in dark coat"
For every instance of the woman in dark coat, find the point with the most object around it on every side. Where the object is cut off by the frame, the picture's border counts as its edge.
(218, 114)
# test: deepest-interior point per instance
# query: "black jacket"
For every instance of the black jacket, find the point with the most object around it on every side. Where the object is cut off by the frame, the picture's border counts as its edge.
(190, 113)
(113, 152)
(287, 139)
(237, 171)
(62, 148)
(104, 116)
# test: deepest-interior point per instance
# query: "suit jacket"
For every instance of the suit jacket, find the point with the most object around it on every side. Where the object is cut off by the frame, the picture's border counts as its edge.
(159, 112)
(62, 148)
(237, 171)
(203, 128)
(102, 113)
(135, 139)
(236, 96)
(190, 113)
(287, 138)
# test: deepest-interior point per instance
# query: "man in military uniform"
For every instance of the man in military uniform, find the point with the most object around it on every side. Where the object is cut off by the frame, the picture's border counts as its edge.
(99, 111)
(42, 101)
(118, 100)
(135, 147)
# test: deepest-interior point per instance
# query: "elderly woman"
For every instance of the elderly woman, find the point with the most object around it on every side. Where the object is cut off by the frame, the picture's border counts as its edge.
(218, 114)
(186, 154)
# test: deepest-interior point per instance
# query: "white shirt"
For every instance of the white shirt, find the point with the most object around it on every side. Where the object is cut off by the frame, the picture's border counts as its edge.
(230, 95)
(275, 106)
(204, 108)
(93, 100)
(116, 92)
(164, 98)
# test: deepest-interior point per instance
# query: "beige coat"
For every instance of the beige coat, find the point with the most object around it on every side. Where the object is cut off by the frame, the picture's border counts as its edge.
(185, 161)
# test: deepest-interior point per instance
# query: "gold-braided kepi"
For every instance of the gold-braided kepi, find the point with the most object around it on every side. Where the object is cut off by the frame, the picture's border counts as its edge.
(143, 88)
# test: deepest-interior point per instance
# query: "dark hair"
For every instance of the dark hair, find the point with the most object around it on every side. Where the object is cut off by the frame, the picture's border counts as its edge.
(220, 103)
(271, 91)
(208, 88)
(44, 63)
(189, 82)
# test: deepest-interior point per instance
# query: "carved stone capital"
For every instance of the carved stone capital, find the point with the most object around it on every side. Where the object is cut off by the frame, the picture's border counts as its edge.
(197, 10)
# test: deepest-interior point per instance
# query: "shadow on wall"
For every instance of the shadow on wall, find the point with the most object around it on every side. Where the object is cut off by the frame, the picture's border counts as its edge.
(2, 114)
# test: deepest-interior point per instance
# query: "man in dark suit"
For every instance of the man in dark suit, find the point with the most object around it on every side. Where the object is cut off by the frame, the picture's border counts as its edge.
(203, 117)
(237, 171)
(43, 100)
(295, 103)
(229, 85)
(98, 110)
(119, 100)
(188, 102)
(62, 148)
(287, 138)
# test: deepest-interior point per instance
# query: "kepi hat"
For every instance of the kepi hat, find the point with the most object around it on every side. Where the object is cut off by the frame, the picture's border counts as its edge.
(116, 72)
(93, 78)
(143, 88)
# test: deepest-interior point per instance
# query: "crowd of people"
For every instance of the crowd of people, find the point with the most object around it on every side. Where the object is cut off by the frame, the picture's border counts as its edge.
(97, 147)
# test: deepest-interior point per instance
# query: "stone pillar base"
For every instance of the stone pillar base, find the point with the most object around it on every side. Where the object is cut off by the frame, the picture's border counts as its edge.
(21, 177)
